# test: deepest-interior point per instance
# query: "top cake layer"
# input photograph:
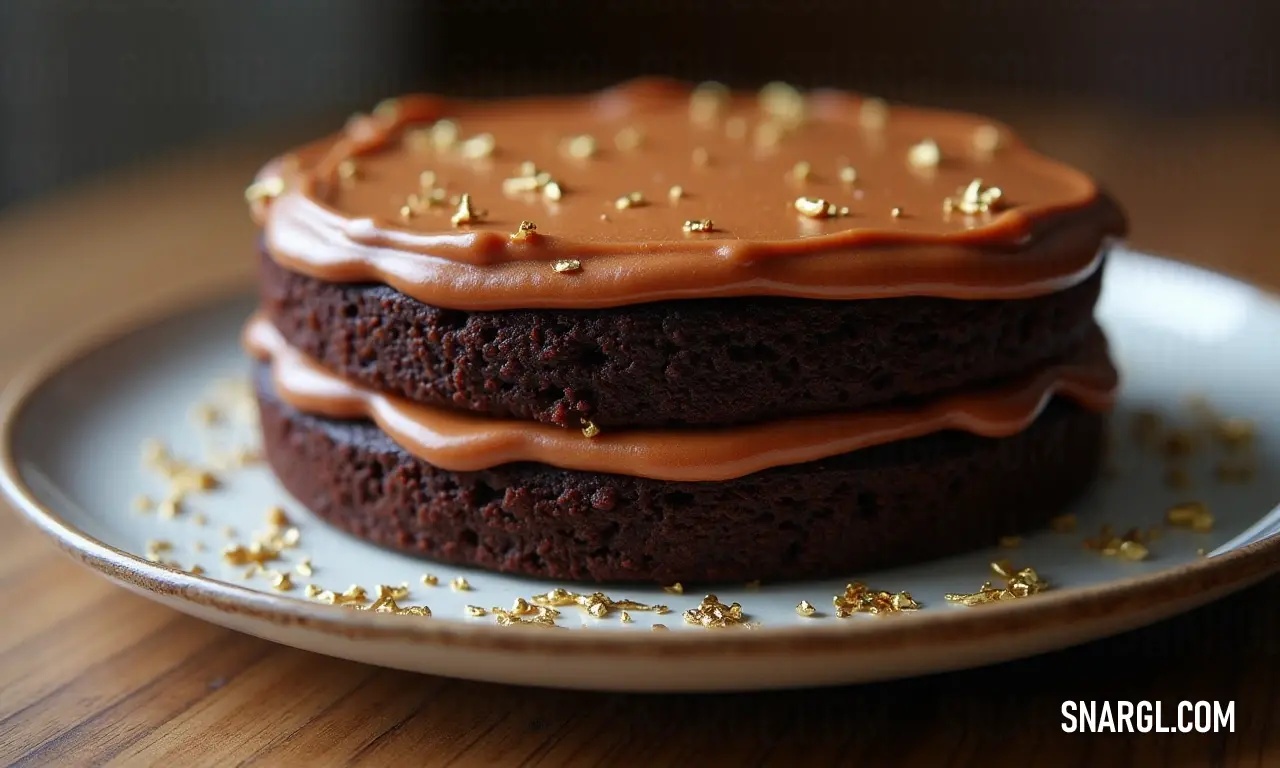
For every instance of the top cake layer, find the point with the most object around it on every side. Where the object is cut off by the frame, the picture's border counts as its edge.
(654, 191)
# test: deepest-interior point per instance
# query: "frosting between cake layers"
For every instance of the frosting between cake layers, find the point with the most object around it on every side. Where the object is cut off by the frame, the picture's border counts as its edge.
(340, 209)
(463, 441)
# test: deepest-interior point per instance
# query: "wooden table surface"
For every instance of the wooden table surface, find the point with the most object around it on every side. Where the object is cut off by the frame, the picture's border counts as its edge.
(90, 673)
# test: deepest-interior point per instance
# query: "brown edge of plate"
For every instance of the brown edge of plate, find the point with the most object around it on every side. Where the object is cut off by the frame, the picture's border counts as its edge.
(1154, 596)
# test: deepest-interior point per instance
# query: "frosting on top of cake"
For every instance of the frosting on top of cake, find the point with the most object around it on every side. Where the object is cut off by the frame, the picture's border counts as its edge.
(655, 190)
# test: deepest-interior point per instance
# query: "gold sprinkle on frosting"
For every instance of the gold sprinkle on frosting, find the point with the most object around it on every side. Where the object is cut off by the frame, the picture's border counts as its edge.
(924, 155)
(475, 610)
(1191, 514)
(707, 101)
(459, 584)
(986, 139)
(430, 580)
(589, 429)
(783, 102)
(805, 608)
(347, 170)
(974, 199)
(566, 265)
(818, 208)
(630, 200)
(675, 193)
(465, 214)
(674, 589)
(801, 171)
(581, 147)
(699, 225)
(525, 231)
(628, 139)
(701, 157)
(873, 113)
(478, 147)
(847, 174)
(264, 189)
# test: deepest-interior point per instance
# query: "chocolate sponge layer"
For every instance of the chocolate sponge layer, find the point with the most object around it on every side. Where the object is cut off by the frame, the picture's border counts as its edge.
(705, 361)
(888, 505)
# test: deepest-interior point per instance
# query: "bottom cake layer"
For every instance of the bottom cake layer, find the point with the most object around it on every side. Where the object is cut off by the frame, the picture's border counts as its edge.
(887, 505)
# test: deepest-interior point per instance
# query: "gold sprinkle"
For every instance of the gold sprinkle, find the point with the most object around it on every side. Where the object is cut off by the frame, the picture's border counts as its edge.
(444, 134)
(895, 213)
(475, 611)
(406, 212)
(817, 208)
(986, 139)
(276, 516)
(143, 503)
(767, 135)
(159, 545)
(459, 584)
(580, 147)
(628, 139)
(313, 590)
(801, 171)
(783, 102)
(465, 213)
(858, 598)
(1234, 433)
(596, 604)
(701, 157)
(713, 614)
(805, 608)
(924, 154)
(675, 193)
(520, 184)
(736, 128)
(674, 589)
(566, 265)
(196, 570)
(427, 181)
(282, 582)
(1192, 514)
(630, 200)
(551, 190)
(626, 618)
(1233, 472)
(347, 170)
(479, 146)
(1132, 550)
(430, 580)
(976, 198)
(1063, 523)
(699, 225)
(1018, 584)
(525, 231)
(304, 567)
(589, 429)
(264, 189)
(658, 628)
(848, 174)
(170, 508)
(707, 101)
(873, 113)
(1200, 552)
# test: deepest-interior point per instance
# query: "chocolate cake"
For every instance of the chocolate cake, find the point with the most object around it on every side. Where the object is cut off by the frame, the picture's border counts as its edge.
(671, 334)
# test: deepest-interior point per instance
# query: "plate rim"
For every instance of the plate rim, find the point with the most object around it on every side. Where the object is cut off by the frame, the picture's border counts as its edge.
(1157, 594)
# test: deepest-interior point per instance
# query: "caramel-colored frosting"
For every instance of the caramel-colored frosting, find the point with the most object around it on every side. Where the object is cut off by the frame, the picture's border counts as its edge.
(464, 441)
(341, 210)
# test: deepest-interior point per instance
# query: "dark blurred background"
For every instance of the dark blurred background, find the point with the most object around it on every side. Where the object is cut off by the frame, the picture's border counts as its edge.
(87, 85)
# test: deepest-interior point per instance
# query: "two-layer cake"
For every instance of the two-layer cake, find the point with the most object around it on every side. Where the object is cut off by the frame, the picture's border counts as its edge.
(669, 334)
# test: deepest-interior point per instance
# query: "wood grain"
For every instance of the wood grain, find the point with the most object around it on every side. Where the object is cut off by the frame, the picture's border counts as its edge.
(92, 674)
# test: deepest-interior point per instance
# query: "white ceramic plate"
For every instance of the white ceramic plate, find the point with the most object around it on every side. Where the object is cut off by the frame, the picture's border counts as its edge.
(71, 464)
